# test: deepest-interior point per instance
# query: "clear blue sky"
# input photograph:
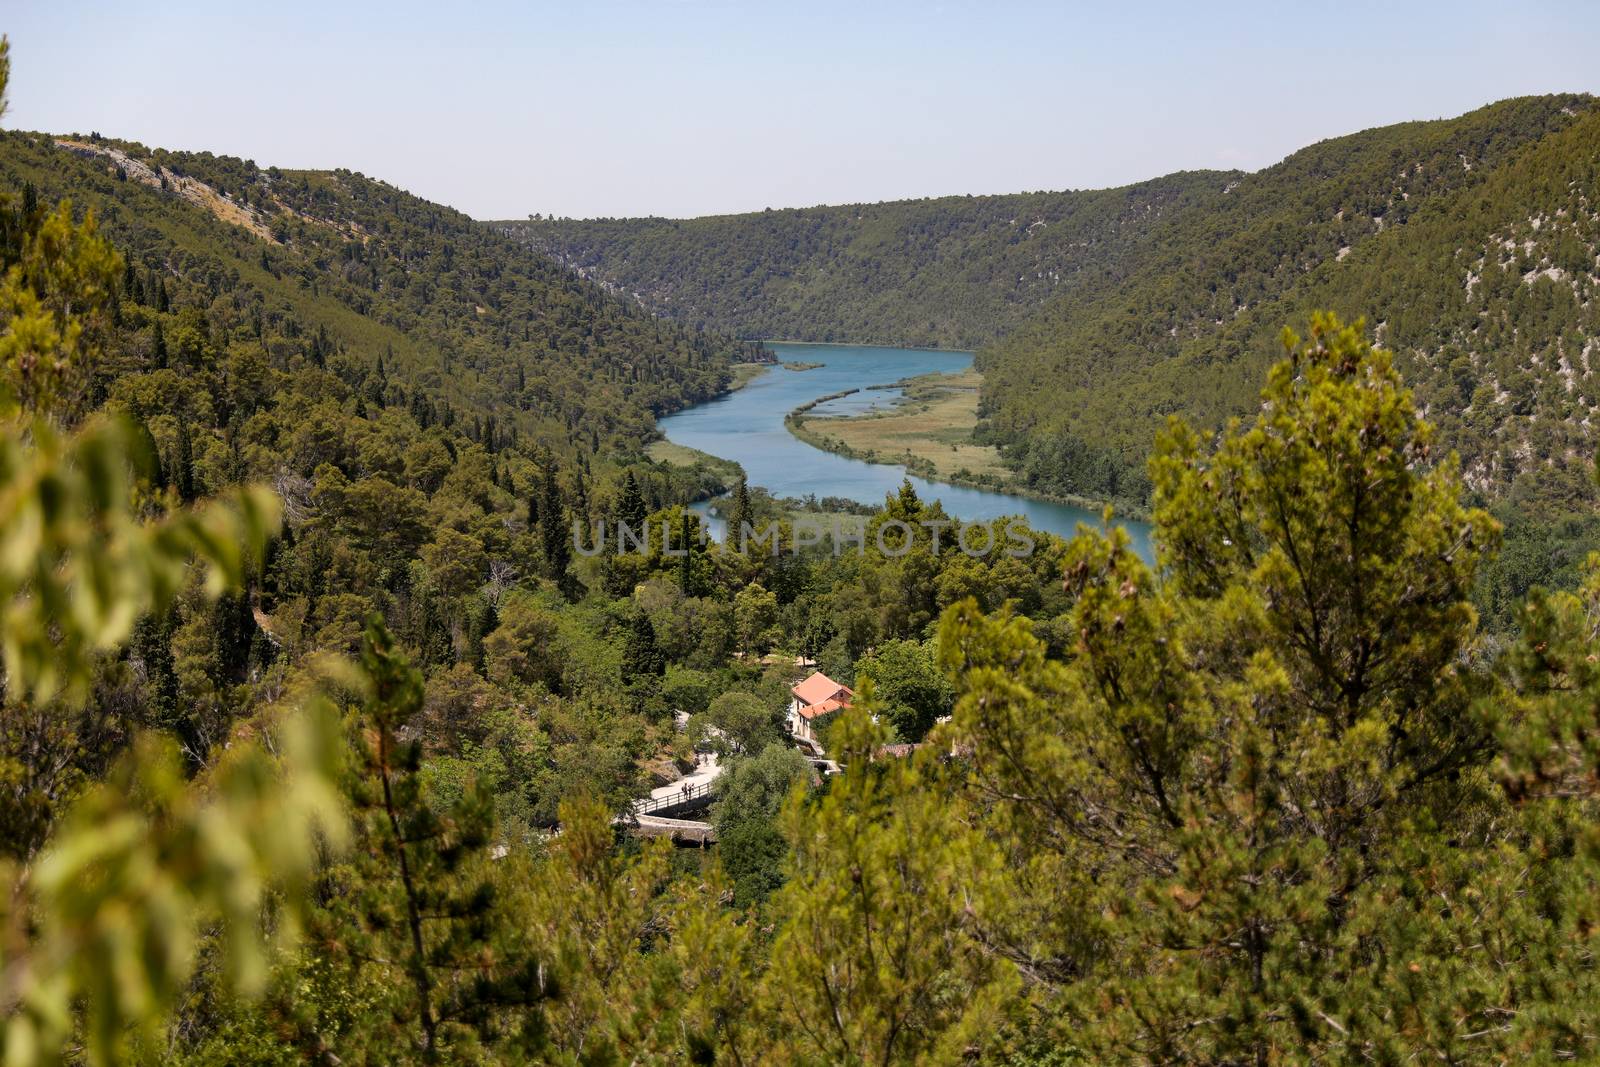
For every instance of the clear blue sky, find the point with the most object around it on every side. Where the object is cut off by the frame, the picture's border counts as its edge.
(693, 107)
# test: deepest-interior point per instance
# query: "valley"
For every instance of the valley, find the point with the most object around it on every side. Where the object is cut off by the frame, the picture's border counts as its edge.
(1144, 624)
(1095, 315)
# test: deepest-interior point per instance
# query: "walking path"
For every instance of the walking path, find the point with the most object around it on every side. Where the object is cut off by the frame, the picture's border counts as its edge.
(704, 774)
(689, 787)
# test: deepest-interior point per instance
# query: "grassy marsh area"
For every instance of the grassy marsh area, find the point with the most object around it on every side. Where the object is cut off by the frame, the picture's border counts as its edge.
(928, 429)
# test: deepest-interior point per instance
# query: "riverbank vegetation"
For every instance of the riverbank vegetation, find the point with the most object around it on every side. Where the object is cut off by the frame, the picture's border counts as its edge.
(745, 373)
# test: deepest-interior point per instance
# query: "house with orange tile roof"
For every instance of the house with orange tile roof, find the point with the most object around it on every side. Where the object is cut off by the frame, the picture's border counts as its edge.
(814, 697)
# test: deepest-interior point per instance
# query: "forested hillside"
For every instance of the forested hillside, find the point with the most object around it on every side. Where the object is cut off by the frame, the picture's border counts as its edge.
(341, 280)
(430, 405)
(953, 272)
(1470, 245)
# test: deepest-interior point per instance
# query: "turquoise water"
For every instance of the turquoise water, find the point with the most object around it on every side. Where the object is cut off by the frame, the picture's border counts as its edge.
(747, 426)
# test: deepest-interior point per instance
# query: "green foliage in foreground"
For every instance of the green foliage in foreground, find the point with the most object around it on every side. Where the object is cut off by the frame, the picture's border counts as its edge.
(1262, 789)
(111, 888)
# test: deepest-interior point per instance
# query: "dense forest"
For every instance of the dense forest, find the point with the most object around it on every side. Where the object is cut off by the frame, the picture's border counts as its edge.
(1471, 247)
(1451, 238)
(355, 289)
(326, 700)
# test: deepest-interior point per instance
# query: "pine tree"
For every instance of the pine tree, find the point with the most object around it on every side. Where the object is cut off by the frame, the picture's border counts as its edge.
(417, 902)
(1230, 786)
(873, 963)
(152, 646)
(642, 656)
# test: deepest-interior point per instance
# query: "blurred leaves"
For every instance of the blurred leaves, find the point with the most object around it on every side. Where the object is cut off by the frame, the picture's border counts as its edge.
(100, 930)
(145, 861)
(78, 567)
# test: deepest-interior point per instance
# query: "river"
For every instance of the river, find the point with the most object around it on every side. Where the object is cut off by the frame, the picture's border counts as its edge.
(747, 426)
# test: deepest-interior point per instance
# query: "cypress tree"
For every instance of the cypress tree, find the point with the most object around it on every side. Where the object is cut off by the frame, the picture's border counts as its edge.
(630, 507)
(738, 516)
(151, 454)
(434, 642)
(158, 347)
(235, 630)
(553, 527)
(185, 465)
(580, 499)
(484, 623)
(685, 561)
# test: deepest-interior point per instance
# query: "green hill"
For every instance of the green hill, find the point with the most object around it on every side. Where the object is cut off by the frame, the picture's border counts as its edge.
(953, 272)
(1469, 244)
(334, 272)
(432, 406)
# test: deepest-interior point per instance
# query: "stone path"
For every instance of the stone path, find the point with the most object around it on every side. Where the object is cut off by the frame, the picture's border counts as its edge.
(704, 774)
